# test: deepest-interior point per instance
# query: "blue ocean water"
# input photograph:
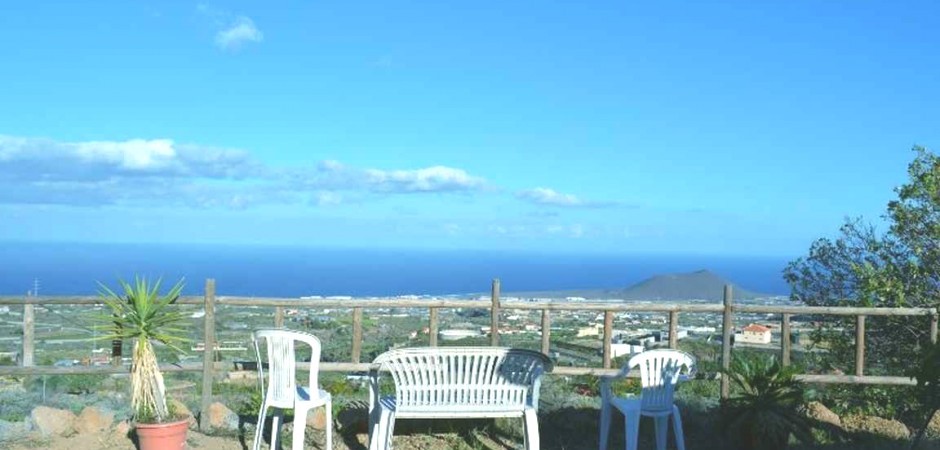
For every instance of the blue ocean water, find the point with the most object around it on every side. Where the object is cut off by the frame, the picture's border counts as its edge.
(73, 269)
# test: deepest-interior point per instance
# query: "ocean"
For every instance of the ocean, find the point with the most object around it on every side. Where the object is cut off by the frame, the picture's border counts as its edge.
(281, 271)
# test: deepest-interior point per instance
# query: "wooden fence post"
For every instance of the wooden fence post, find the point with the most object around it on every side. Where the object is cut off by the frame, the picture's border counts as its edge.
(357, 335)
(785, 340)
(933, 327)
(859, 345)
(727, 328)
(279, 317)
(29, 333)
(208, 353)
(674, 330)
(546, 332)
(608, 335)
(494, 314)
(432, 327)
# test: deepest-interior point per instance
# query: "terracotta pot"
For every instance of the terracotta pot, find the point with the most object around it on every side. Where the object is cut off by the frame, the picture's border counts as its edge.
(162, 436)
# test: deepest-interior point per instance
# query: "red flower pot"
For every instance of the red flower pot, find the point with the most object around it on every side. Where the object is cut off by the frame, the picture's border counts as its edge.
(162, 436)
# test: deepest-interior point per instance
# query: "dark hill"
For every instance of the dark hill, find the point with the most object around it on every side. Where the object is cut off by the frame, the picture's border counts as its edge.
(698, 285)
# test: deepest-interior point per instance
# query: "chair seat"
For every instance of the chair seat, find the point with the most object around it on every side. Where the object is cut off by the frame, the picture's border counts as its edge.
(625, 404)
(303, 395)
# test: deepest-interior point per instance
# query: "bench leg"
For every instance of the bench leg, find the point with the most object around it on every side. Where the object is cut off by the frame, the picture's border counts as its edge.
(531, 429)
(380, 436)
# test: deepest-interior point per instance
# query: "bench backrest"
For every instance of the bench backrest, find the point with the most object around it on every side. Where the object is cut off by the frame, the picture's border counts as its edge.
(464, 376)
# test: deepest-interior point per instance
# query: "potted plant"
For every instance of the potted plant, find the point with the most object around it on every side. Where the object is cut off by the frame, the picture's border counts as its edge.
(137, 312)
(763, 411)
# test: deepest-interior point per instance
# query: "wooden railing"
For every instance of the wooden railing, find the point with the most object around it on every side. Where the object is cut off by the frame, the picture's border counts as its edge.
(727, 309)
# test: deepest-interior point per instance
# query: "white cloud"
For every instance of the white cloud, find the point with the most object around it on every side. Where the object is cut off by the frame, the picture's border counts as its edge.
(231, 31)
(326, 198)
(431, 179)
(159, 171)
(546, 196)
(135, 154)
(331, 174)
(150, 172)
(238, 32)
(550, 197)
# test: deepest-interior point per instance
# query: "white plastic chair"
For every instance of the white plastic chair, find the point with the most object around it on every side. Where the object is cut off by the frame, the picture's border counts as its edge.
(660, 370)
(283, 392)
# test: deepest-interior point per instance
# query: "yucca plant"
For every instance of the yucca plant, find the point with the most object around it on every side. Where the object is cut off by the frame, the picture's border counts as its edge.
(137, 312)
(763, 410)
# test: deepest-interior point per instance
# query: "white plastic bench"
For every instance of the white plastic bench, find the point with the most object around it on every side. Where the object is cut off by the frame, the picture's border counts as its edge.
(456, 382)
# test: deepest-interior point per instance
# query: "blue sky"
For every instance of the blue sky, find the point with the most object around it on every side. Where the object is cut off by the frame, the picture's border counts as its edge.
(628, 127)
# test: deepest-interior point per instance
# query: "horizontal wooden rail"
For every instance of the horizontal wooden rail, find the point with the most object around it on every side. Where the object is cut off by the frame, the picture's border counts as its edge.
(553, 305)
(833, 310)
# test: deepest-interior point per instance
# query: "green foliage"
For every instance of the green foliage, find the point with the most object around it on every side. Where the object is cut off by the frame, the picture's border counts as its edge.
(927, 373)
(140, 314)
(863, 267)
(763, 408)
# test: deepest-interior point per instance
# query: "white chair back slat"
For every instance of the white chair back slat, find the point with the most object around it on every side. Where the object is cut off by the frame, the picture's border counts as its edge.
(659, 373)
(281, 378)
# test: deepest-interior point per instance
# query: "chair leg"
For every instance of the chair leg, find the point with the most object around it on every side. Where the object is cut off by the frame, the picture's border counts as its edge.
(259, 429)
(276, 420)
(632, 428)
(662, 431)
(329, 424)
(605, 425)
(300, 427)
(677, 428)
(531, 429)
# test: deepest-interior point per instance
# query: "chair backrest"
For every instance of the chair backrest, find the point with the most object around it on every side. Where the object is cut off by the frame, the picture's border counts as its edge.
(467, 376)
(659, 372)
(282, 364)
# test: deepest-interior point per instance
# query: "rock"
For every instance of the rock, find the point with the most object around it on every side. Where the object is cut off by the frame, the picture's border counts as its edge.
(933, 428)
(819, 412)
(221, 418)
(52, 421)
(179, 409)
(877, 426)
(122, 428)
(93, 420)
(316, 418)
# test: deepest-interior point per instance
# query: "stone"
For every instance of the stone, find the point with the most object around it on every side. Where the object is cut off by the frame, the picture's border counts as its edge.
(316, 418)
(179, 410)
(122, 428)
(221, 418)
(53, 422)
(93, 420)
(876, 426)
(819, 412)
(933, 428)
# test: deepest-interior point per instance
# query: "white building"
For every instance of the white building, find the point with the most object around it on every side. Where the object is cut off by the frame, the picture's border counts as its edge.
(753, 334)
